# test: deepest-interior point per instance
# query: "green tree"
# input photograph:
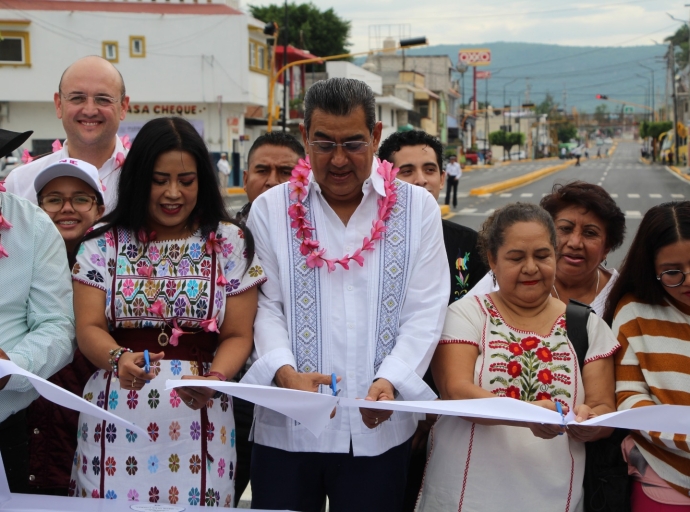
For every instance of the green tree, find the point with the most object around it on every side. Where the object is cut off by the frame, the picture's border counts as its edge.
(654, 129)
(601, 113)
(506, 140)
(547, 106)
(566, 132)
(323, 33)
(680, 41)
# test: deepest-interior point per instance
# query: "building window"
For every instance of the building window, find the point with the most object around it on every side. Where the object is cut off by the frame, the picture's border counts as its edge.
(258, 57)
(110, 51)
(15, 49)
(137, 47)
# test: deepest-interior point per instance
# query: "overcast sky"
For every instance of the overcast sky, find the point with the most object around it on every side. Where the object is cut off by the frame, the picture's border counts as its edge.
(564, 22)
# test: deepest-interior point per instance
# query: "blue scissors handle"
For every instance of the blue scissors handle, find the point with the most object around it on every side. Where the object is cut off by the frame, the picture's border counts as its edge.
(334, 384)
(147, 363)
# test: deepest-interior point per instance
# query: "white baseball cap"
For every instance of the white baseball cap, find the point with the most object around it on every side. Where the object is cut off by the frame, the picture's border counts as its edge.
(70, 167)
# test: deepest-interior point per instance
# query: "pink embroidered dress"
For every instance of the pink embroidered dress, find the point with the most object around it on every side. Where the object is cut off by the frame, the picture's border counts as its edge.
(475, 467)
(192, 458)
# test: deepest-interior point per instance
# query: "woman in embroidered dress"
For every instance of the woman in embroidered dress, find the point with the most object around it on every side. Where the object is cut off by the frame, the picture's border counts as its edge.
(513, 343)
(170, 273)
(589, 225)
(650, 313)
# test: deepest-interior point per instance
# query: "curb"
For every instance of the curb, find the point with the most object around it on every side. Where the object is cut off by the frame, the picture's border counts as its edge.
(445, 209)
(234, 191)
(678, 172)
(519, 180)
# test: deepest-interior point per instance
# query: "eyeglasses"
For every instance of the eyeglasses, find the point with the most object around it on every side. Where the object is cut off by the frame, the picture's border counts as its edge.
(100, 100)
(326, 146)
(672, 278)
(53, 204)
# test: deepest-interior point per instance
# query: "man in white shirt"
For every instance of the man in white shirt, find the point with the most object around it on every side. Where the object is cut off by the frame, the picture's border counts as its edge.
(91, 101)
(453, 173)
(223, 173)
(374, 322)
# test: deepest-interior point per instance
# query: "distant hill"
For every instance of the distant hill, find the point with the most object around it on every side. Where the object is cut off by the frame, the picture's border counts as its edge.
(583, 71)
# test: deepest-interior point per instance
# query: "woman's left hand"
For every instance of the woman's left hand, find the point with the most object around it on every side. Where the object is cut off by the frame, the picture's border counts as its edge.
(584, 433)
(196, 397)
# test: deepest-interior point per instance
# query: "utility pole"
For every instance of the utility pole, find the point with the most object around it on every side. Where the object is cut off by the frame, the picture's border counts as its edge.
(653, 91)
(676, 137)
(285, 62)
(486, 117)
(565, 98)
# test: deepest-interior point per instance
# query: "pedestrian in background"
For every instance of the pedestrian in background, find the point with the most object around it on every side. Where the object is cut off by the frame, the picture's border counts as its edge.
(649, 311)
(167, 272)
(453, 174)
(91, 101)
(223, 173)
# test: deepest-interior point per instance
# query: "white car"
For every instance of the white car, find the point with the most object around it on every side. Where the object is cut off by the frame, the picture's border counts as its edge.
(608, 140)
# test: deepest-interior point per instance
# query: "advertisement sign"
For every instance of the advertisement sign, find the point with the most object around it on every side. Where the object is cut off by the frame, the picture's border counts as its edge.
(475, 57)
(483, 75)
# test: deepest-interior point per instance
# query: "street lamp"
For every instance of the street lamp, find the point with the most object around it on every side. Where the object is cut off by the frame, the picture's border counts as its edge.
(404, 43)
(653, 90)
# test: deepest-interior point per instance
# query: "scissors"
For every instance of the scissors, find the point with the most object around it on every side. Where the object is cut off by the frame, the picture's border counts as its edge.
(147, 363)
(560, 411)
(334, 385)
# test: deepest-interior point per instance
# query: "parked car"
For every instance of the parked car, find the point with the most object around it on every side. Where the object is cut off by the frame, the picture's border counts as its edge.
(471, 158)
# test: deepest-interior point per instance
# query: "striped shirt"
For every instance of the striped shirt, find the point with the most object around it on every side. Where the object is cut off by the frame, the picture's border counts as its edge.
(653, 367)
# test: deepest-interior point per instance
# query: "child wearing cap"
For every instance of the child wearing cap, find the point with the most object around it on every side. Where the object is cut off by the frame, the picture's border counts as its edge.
(70, 192)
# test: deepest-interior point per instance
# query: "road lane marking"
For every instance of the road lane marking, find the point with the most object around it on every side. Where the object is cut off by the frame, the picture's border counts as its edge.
(484, 195)
(489, 212)
(465, 211)
(527, 194)
(634, 196)
(677, 196)
(633, 214)
(614, 196)
(463, 194)
(506, 195)
(599, 184)
(655, 196)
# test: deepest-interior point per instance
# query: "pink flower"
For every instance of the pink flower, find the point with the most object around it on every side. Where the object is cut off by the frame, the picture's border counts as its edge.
(3, 252)
(315, 259)
(2, 188)
(57, 146)
(302, 171)
(304, 231)
(221, 281)
(297, 210)
(210, 325)
(145, 237)
(4, 223)
(145, 270)
(176, 333)
(214, 243)
(330, 264)
(26, 157)
(357, 257)
(298, 191)
(308, 245)
(156, 309)
(125, 141)
(344, 262)
(119, 159)
(367, 245)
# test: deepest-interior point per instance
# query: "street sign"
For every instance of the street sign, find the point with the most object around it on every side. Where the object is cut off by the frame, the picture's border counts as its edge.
(475, 57)
(483, 75)
(627, 109)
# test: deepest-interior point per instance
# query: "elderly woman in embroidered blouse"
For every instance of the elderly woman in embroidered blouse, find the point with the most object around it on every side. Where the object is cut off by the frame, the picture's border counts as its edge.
(513, 343)
(169, 273)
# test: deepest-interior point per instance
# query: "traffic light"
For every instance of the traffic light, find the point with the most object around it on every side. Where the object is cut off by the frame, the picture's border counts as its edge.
(602, 97)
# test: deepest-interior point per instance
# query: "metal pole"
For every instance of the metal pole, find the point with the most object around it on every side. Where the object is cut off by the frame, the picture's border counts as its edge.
(285, 61)
(486, 117)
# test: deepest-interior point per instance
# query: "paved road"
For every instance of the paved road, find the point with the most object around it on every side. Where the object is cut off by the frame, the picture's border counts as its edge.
(635, 186)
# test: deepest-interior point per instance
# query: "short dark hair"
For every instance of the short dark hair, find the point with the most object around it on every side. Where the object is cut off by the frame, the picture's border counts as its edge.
(492, 235)
(340, 96)
(282, 139)
(398, 140)
(155, 138)
(662, 225)
(592, 198)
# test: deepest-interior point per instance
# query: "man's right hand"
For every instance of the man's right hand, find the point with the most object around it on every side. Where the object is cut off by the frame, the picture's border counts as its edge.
(288, 377)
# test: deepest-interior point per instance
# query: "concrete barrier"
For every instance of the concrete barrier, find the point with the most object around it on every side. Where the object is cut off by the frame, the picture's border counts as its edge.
(519, 181)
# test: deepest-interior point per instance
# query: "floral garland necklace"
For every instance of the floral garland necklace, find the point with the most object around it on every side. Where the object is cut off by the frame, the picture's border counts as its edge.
(310, 247)
(213, 244)
(4, 224)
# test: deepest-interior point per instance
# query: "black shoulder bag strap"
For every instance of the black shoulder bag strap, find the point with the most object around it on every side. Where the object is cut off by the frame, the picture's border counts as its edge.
(576, 316)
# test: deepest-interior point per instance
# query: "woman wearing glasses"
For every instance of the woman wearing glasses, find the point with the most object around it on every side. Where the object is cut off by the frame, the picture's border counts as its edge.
(70, 192)
(649, 308)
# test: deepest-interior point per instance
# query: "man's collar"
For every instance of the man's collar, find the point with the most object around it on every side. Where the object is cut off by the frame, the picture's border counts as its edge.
(119, 148)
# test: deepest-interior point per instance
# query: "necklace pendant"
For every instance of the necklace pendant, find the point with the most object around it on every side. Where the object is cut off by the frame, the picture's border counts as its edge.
(163, 339)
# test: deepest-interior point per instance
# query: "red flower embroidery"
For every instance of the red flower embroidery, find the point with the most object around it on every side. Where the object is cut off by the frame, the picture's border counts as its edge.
(530, 342)
(513, 392)
(493, 312)
(110, 466)
(545, 376)
(543, 396)
(514, 369)
(515, 349)
(544, 354)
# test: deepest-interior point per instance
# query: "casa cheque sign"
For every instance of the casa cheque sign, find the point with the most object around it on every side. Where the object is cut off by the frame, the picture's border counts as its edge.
(475, 57)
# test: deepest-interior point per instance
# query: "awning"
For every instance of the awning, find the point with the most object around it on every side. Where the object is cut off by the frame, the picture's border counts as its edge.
(293, 54)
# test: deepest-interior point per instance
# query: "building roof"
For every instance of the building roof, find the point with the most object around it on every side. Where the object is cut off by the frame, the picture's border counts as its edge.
(293, 54)
(110, 6)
